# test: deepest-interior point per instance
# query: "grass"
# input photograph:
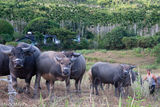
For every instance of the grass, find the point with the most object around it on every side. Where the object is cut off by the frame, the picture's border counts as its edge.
(87, 51)
(151, 66)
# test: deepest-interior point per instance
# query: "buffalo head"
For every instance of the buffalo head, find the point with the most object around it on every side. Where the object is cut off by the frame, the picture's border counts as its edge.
(127, 69)
(71, 54)
(17, 55)
(65, 64)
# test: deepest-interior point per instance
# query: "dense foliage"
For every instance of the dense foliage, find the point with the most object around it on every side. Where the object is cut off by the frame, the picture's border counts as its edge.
(65, 36)
(113, 40)
(129, 42)
(156, 52)
(6, 28)
(141, 41)
(146, 42)
(41, 25)
(6, 31)
(77, 15)
(143, 12)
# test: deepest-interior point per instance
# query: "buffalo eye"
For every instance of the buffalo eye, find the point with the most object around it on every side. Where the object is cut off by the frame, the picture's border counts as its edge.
(11, 54)
(62, 63)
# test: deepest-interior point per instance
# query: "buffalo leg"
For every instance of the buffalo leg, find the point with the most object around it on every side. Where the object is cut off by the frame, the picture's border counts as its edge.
(116, 88)
(96, 86)
(79, 84)
(67, 84)
(101, 85)
(27, 87)
(76, 85)
(37, 83)
(15, 85)
(93, 86)
(51, 95)
(48, 86)
(120, 90)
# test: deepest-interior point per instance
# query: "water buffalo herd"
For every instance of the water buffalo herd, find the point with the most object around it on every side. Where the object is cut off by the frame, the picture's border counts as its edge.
(25, 60)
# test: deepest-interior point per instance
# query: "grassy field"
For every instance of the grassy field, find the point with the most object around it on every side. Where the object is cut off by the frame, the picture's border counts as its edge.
(138, 96)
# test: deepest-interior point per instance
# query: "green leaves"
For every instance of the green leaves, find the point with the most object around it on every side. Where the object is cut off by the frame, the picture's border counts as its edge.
(41, 25)
(6, 27)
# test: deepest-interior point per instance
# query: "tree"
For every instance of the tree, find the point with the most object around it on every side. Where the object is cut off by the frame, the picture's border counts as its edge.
(41, 25)
(65, 36)
(6, 31)
(6, 28)
(113, 40)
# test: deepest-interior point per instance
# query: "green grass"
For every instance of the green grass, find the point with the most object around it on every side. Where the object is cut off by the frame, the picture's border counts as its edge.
(151, 66)
(87, 51)
(88, 65)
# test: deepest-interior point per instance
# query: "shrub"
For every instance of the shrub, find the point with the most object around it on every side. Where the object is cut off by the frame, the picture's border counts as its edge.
(129, 42)
(6, 28)
(6, 31)
(12, 43)
(84, 44)
(41, 25)
(65, 36)
(92, 44)
(156, 52)
(48, 47)
(146, 42)
(17, 35)
(89, 35)
(6, 38)
(39, 37)
(113, 40)
(156, 39)
(157, 34)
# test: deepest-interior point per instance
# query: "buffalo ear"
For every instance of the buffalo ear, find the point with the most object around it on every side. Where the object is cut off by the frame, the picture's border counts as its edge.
(58, 59)
(76, 54)
(29, 53)
(132, 66)
(122, 65)
(73, 59)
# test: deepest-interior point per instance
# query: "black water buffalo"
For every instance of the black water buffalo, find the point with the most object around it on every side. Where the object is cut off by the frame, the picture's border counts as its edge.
(53, 66)
(128, 81)
(22, 63)
(103, 72)
(4, 61)
(78, 68)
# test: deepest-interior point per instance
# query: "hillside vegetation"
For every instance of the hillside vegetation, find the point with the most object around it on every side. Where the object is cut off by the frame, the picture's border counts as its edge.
(83, 12)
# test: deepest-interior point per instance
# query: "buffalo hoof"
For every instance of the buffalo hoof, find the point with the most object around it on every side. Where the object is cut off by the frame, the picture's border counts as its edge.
(78, 91)
(52, 98)
(35, 97)
(26, 90)
(19, 90)
(40, 88)
(68, 91)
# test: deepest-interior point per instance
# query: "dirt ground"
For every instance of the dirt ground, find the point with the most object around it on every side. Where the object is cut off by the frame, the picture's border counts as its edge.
(85, 99)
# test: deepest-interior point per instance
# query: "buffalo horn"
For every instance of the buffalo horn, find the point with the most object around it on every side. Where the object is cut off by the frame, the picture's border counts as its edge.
(6, 51)
(76, 54)
(27, 49)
